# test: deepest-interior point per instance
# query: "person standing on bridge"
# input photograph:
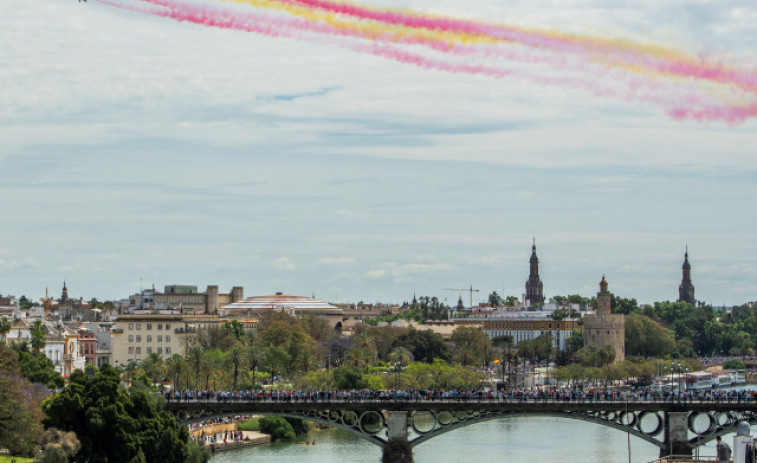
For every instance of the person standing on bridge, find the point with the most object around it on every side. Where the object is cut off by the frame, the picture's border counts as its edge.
(724, 451)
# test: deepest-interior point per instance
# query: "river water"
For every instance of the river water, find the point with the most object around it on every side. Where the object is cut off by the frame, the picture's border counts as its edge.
(512, 440)
(506, 440)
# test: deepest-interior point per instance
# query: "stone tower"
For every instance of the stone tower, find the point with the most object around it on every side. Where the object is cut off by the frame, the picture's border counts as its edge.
(686, 290)
(604, 328)
(534, 285)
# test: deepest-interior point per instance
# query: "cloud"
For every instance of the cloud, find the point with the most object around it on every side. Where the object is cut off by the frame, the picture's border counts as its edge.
(338, 261)
(283, 263)
(375, 274)
(26, 263)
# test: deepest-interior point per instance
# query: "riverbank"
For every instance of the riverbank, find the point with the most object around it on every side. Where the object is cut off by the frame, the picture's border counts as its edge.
(218, 437)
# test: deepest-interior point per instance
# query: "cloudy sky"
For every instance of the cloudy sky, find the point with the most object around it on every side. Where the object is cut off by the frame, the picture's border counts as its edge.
(138, 150)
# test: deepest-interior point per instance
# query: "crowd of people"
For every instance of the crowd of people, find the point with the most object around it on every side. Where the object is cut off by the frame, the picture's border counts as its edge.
(535, 394)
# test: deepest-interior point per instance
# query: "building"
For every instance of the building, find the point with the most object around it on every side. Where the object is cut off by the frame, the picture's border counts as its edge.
(297, 306)
(88, 346)
(135, 336)
(686, 289)
(523, 326)
(534, 286)
(186, 299)
(604, 328)
(104, 340)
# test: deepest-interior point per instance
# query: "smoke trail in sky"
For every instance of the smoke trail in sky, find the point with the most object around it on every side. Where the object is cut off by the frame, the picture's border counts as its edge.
(685, 86)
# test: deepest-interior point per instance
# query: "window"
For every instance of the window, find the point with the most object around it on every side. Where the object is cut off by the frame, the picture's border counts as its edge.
(139, 350)
(149, 338)
(149, 326)
(160, 350)
(160, 326)
(131, 338)
(149, 350)
(168, 350)
(160, 338)
(131, 326)
(131, 350)
(139, 326)
(139, 338)
(168, 338)
(168, 326)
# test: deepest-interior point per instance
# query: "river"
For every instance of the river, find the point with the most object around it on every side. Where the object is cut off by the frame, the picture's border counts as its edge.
(512, 440)
(506, 440)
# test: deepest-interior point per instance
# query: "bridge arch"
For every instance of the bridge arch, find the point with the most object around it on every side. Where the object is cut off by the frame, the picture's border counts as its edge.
(589, 417)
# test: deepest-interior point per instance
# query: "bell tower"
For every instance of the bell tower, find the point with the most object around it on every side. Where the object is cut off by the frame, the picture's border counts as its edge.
(534, 285)
(686, 289)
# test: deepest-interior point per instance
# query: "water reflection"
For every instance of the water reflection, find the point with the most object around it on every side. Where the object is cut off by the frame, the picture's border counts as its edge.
(511, 440)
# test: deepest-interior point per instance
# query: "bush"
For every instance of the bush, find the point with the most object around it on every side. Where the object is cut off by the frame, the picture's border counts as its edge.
(277, 427)
(300, 426)
(734, 365)
(253, 424)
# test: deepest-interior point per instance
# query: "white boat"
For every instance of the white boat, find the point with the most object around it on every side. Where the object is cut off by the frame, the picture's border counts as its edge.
(721, 379)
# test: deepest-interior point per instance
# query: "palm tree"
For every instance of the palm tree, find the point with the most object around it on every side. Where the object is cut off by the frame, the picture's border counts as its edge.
(255, 355)
(5, 327)
(153, 367)
(174, 367)
(195, 358)
(234, 359)
(38, 333)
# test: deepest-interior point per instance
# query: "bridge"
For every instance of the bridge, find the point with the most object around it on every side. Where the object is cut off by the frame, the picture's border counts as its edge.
(676, 427)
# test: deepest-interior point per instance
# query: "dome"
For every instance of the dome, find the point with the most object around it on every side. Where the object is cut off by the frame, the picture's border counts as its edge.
(743, 429)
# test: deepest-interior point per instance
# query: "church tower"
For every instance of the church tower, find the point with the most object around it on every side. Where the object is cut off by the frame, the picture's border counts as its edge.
(686, 290)
(534, 285)
(64, 295)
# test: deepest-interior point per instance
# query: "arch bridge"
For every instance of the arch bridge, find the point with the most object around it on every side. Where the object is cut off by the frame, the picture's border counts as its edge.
(675, 427)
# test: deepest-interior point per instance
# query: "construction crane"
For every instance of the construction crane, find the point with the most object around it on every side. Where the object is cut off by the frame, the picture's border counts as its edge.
(470, 290)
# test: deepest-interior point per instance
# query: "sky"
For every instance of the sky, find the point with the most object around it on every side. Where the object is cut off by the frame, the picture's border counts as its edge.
(137, 150)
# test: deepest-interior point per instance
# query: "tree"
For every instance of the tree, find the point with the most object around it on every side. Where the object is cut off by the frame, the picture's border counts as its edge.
(154, 367)
(36, 367)
(5, 327)
(471, 344)
(58, 446)
(38, 334)
(174, 367)
(425, 345)
(20, 411)
(647, 338)
(236, 329)
(113, 424)
(346, 378)
(234, 359)
(494, 299)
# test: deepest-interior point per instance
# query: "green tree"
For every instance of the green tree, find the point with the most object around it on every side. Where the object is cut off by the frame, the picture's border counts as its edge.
(38, 334)
(154, 367)
(425, 345)
(113, 424)
(471, 345)
(5, 327)
(20, 411)
(234, 359)
(236, 329)
(175, 366)
(346, 378)
(647, 338)
(36, 367)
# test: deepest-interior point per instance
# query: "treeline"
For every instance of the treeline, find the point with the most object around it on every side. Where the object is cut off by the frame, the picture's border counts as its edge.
(306, 353)
(686, 330)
